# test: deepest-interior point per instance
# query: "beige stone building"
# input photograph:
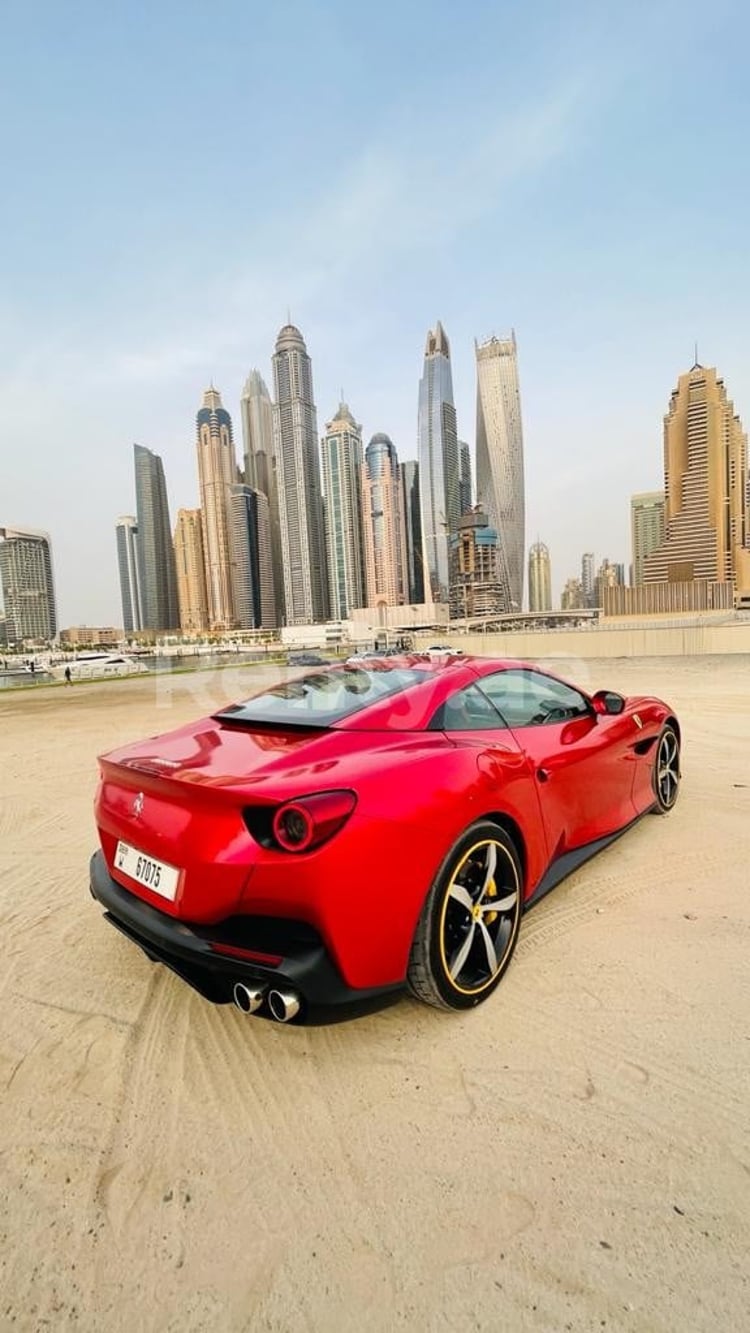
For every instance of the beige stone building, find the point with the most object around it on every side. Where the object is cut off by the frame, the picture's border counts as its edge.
(573, 597)
(77, 635)
(540, 578)
(705, 475)
(386, 571)
(341, 469)
(667, 599)
(191, 572)
(609, 575)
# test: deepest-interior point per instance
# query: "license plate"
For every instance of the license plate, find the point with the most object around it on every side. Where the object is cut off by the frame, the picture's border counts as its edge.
(146, 870)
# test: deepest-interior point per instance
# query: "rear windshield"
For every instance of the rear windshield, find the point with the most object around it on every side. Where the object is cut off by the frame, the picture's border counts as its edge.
(323, 697)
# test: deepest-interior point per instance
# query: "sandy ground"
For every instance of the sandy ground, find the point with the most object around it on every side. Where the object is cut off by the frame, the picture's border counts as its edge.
(573, 1156)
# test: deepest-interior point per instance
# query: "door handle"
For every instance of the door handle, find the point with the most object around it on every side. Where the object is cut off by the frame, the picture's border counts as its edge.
(542, 775)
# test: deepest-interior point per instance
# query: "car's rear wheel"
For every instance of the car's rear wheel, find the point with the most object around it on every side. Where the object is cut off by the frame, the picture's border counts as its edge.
(469, 923)
(666, 778)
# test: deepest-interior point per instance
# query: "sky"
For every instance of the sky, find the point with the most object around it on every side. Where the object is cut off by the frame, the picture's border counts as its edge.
(179, 176)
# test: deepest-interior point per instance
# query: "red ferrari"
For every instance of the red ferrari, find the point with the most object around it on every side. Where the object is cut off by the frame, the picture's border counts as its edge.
(362, 828)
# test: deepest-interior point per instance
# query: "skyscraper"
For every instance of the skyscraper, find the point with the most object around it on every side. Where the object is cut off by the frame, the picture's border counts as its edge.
(587, 578)
(572, 596)
(191, 571)
(217, 473)
(260, 471)
(251, 558)
(464, 485)
(28, 586)
(707, 532)
(156, 569)
(414, 581)
(646, 529)
(438, 464)
(608, 575)
(341, 457)
(476, 588)
(499, 458)
(385, 547)
(126, 530)
(295, 437)
(540, 578)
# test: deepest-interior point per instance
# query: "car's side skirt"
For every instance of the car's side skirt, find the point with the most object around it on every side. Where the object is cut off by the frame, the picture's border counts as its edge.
(564, 865)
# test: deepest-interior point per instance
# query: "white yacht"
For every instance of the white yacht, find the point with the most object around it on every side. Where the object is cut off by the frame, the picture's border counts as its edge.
(90, 666)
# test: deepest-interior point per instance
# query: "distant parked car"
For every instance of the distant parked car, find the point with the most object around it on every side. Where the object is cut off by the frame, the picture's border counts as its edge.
(446, 648)
(307, 659)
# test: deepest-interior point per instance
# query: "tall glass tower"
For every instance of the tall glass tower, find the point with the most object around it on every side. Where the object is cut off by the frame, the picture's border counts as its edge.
(253, 580)
(499, 459)
(414, 589)
(217, 474)
(158, 582)
(438, 463)
(295, 437)
(464, 485)
(126, 530)
(341, 451)
(260, 473)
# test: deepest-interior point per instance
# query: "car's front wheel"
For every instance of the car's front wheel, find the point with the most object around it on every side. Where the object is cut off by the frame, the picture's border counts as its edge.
(469, 923)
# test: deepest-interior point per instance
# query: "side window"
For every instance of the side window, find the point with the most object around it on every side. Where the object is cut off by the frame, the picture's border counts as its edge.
(529, 698)
(467, 710)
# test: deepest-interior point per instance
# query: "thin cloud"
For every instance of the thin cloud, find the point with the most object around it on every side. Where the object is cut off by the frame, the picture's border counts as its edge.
(395, 199)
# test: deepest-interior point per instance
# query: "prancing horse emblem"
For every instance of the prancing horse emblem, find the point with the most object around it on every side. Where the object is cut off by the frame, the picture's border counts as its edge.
(138, 806)
(636, 719)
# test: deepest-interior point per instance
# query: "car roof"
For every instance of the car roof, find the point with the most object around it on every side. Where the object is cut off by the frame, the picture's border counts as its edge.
(411, 709)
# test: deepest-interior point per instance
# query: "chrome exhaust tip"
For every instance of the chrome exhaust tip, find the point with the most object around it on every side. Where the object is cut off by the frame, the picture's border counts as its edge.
(284, 1005)
(248, 998)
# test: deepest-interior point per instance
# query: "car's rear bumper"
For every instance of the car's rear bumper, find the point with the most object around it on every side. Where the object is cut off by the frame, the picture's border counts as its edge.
(289, 955)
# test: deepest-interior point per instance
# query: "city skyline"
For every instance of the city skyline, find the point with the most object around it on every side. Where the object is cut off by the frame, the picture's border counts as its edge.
(565, 207)
(712, 415)
(683, 535)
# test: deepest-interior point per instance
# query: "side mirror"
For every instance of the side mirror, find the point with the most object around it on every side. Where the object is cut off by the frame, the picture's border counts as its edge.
(607, 702)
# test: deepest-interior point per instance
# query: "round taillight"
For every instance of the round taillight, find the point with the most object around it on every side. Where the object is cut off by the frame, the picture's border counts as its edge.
(308, 821)
(293, 828)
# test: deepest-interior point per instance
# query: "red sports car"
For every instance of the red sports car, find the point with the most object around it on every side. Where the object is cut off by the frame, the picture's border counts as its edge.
(362, 828)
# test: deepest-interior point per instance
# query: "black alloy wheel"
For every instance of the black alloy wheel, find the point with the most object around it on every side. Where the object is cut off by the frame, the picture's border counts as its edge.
(667, 775)
(469, 923)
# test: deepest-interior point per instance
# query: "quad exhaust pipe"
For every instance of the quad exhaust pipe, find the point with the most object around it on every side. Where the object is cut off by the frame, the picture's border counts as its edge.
(249, 998)
(283, 1004)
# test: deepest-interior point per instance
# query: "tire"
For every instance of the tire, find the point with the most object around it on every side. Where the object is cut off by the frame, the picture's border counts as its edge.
(666, 771)
(462, 946)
